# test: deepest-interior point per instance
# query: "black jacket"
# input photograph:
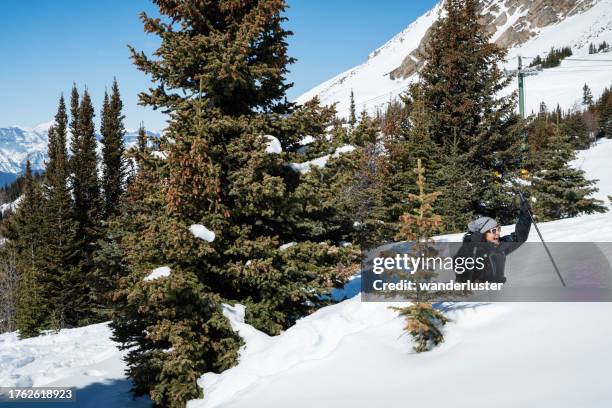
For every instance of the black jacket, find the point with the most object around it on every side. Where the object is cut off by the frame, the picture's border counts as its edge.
(475, 246)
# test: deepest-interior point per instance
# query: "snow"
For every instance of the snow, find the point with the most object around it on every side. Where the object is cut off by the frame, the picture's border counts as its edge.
(320, 161)
(305, 166)
(273, 145)
(594, 162)
(43, 127)
(287, 245)
(85, 358)
(373, 87)
(344, 149)
(356, 354)
(159, 154)
(306, 140)
(200, 231)
(12, 206)
(161, 272)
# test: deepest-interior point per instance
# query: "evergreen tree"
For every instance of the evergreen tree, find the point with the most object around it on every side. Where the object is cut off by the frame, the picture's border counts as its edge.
(452, 174)
(352, 113)
(142, 139)
(59, 225)
(8, 288)
(540, 130)
(366, 132)
(418, 226)
(219, 175)
(25, 236)
(561, 190)
(14, 190)
(394, 118)
(363, 190)
(604, 109)
(87, 200)
(587, 95)
(536, 61)
(415, 142)
(576, 128)
(87, 205)
(459, 85)
(113, 165)
(135, 155)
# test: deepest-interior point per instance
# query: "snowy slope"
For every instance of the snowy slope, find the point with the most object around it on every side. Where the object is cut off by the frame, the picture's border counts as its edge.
(356, 354)
(373, 86)
(370, 81)
(84, 358)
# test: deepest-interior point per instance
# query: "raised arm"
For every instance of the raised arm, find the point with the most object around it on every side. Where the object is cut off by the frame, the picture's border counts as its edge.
(521, 231)
(523, 225)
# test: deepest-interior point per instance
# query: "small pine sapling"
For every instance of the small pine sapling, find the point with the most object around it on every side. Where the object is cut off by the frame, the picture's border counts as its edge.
(423, 321)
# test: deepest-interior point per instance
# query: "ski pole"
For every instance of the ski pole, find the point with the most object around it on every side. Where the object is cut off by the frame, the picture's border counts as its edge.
(542, 239)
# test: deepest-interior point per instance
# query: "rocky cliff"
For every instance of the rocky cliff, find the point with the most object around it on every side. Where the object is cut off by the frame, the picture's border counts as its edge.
(510, 23)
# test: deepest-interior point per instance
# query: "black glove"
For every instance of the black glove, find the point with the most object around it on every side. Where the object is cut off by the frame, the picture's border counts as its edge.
(524, 203)
(525, 206)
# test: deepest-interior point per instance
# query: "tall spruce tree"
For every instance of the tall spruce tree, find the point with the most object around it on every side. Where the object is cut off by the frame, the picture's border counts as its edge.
(453, 175)
(220, 72)
(604, 109)
(587, 95)
(59, 225)
(113, 165)
(26, 237)
(87, 204)
(352, 112)
(87, 199)
(459, 85)
(141, 141)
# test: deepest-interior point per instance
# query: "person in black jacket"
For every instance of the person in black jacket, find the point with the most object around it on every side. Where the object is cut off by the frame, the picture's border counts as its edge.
(483, 240)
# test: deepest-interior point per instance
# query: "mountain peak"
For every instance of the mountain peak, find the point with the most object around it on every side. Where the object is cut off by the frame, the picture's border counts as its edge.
(526, 27)
(43, 127)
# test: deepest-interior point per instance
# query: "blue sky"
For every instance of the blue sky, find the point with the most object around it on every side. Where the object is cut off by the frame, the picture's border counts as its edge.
(46, 45)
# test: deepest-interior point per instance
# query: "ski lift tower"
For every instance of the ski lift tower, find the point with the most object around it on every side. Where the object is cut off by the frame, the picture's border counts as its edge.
(521, 85)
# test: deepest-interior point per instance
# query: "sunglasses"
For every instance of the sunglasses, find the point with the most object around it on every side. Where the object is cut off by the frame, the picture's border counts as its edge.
(495, 230)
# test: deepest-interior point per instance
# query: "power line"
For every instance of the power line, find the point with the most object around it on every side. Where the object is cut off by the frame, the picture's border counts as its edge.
(577, 70)
(585, 66)
(389, 93)
(587, 60)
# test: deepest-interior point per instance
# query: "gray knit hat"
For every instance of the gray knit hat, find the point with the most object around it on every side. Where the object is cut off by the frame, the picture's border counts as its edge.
(482, 225)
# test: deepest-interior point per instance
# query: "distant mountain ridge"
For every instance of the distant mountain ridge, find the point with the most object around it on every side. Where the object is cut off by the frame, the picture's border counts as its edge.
(19, 144)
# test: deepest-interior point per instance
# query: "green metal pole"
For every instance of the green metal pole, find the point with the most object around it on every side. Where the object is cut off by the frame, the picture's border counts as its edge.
(521, 84)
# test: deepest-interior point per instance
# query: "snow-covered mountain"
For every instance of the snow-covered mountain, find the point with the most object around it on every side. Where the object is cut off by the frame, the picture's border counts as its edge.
(19, 144)
(526, 27)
